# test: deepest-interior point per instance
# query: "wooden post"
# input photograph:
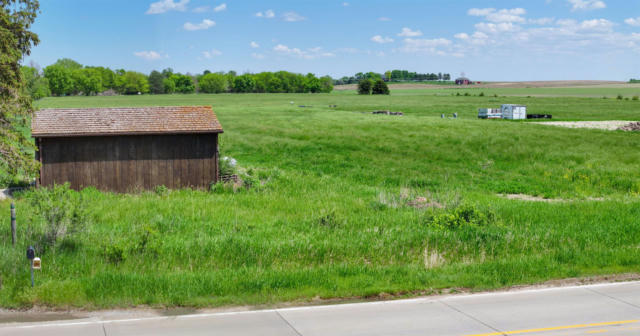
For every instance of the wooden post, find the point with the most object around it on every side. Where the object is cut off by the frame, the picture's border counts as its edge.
(13, 224)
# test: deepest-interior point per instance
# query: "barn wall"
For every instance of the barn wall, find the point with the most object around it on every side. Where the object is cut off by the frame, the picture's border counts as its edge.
(128, 163)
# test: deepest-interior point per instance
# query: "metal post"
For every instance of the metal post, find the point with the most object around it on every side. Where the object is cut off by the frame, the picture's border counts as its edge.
(31, 272)
(13, 224)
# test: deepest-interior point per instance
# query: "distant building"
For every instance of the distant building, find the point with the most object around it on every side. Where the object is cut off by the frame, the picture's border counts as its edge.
(463, 81)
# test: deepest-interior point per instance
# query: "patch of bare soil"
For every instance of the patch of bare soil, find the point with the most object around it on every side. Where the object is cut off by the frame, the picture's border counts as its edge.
(610, 125)
(423, 202)
(634, 126)
(531, 198)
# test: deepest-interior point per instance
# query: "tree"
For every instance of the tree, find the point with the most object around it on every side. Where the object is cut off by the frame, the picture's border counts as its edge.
(60, 79)
(184, 83)
(364, 86)
(132, 83)
(212, 83)
(16, 41)
(244, 84)
(312, 84)
(87, 81)
(380, 87)
(326, 84)
(156, 82)
(68, 63)
(169, 85)
(36, 86)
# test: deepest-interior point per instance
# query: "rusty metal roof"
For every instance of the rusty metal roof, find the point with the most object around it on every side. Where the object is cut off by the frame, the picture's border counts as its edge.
(68, 122)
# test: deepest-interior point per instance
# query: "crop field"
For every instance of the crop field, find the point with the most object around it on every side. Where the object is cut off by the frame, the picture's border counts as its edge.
(355, 205)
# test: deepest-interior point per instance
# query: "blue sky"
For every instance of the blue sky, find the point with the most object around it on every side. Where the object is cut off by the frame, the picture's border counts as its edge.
(486, 39)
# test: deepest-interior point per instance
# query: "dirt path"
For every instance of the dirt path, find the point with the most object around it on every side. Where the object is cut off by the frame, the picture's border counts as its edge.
(610, 125)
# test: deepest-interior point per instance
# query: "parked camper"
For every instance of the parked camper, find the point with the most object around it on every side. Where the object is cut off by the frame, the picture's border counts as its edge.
(489, 113)
(511, 111)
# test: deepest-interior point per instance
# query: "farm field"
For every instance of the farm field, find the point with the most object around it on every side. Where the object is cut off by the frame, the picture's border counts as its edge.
(355, 205)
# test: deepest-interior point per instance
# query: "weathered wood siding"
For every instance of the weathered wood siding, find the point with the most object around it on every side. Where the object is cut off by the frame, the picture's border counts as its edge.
(128, 163)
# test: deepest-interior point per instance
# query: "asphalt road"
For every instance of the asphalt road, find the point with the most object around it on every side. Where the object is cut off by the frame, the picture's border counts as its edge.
(605, 309)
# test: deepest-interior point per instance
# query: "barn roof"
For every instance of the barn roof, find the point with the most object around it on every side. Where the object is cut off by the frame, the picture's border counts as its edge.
(124, 121)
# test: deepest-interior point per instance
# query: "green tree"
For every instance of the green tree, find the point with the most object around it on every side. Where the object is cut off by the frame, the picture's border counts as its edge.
(132, 82)
(169, 85)
(60, 79)
(311, 83)
(244, 84)
(88, 81)
(16, 41)
(364, 86)
(326, 84)
(36, 86)
(380, 87)
(68, 63)
(184, 83)
(212, 83)
(107, 75)
(156, 82)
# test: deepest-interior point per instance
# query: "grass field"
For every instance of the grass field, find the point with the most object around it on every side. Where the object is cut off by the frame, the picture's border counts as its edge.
(334, 218)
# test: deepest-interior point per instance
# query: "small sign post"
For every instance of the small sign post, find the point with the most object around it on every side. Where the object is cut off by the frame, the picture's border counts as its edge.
(13, 224)
(31, 255)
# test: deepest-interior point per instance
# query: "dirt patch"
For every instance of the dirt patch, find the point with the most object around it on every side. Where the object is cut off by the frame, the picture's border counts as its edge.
(609, 125)
(531, 198)
(423, 202)
(635, 126)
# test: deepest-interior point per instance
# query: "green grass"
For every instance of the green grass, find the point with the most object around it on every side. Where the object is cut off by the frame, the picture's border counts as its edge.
(334, 222)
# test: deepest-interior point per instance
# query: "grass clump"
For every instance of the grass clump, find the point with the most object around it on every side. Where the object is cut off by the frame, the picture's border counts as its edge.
(462, 216)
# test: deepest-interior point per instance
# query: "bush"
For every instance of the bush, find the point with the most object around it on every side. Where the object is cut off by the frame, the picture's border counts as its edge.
(227, 166)
(380, 87)
(465, 215)
(481, 94)
(61, 210)
(635, 98)
(620, 97)
(365, 86)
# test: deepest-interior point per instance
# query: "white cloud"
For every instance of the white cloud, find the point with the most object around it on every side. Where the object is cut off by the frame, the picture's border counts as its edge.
(633, 21)
(205, 24)
(167, 5)
(384, 18)
(202, 9)
(220, 8)
(380, 39)
(257, 56)
(293, 17)
(268, 14)
(212, 53)
(148, 55)
(542, 21)
(254, 44)
(462, 36)
(430, 46)
(496, 27)
(578, 5)
(309, 53)
(498, 16)
(345, 4)
(406, 32)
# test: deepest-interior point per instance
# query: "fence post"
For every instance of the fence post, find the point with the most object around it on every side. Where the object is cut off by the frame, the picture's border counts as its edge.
(13, 224)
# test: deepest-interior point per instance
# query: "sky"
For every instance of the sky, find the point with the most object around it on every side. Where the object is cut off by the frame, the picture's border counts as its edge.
(489, 40)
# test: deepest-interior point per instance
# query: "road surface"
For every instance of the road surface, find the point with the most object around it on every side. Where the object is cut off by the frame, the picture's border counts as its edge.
(604, 309)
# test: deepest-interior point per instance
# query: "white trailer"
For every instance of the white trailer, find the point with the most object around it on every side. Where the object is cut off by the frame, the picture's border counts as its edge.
(489, 113)
(511, 111)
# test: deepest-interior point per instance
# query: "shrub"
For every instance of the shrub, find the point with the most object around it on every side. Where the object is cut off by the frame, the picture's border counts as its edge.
(161, 190)
(465, 215)
(467, 94)
(481, 94)
(458, 94)
(380, 87)
(635, 98)
(61, 210)
(227, 166)
(364, 87)
(620, 97)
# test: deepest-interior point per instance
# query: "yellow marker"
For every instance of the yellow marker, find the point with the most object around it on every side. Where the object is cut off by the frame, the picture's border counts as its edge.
(575, 326)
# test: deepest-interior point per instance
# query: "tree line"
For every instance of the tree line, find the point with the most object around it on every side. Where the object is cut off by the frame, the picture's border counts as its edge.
(68, 77)
(393, 76)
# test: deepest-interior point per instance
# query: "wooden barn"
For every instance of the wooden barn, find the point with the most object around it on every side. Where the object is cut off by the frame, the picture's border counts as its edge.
(127, 149)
